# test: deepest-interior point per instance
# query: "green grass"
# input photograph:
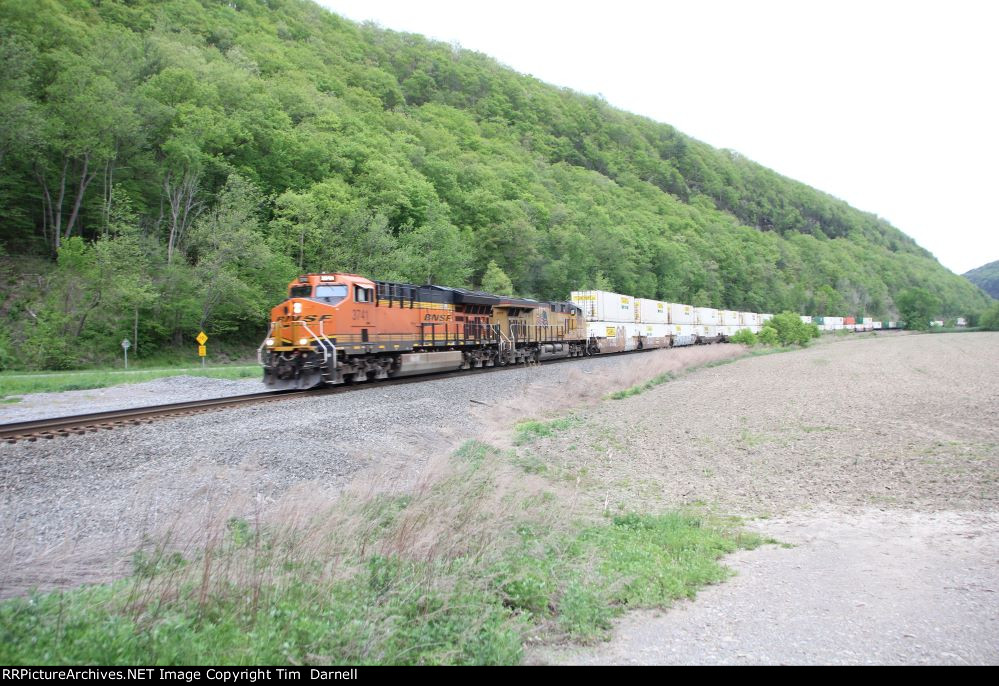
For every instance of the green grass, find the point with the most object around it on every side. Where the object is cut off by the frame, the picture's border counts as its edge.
(530, 431)
(641, 388)
(389, 611)
(581, 582)
(490, 580)
(16, 383)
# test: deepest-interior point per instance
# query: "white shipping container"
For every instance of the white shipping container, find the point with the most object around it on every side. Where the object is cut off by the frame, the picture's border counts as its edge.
(651, 311)
(764, 318)
(683, 329)
(868, 320)
(729, 318)
(706, 316)
(655, 330)
(681, 314)
(806, 319)
(603, 306)
(614, 336)
(877, 326)
(748, 319)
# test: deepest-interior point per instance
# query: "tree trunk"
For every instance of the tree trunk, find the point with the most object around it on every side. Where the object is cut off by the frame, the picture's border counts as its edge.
(85, 180)
(183, 207)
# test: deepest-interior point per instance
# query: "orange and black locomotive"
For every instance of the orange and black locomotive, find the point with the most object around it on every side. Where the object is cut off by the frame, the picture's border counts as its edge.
(343, 327)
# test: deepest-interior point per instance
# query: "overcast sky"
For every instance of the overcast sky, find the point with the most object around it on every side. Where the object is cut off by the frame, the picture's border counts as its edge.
(891, 106)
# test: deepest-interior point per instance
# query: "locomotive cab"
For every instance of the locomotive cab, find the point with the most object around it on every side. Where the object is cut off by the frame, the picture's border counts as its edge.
(323, 313)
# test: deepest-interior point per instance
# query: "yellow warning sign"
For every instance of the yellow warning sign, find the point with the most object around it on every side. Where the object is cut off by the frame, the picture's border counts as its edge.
(202, 350)
(201, 338)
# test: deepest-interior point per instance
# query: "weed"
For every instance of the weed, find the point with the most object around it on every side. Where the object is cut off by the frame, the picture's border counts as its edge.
(530, 431)
(641, 388)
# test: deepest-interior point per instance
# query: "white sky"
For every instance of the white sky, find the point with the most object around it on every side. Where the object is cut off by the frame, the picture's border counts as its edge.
(891, 106)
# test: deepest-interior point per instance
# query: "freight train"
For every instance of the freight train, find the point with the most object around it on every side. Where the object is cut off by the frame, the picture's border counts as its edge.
(337, 328)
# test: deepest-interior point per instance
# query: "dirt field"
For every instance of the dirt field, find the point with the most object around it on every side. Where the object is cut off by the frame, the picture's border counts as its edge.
(909, 422)
(877, 459)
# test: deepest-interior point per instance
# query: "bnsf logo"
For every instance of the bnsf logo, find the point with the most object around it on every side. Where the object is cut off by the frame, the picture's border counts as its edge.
(437, 318)
(308, 319)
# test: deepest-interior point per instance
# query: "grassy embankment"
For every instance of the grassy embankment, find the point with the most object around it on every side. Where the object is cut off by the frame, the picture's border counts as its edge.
(488, 552)
(17, 383)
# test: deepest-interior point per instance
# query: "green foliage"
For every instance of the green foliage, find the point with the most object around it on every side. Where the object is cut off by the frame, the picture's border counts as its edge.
(209, 151)
(6, 349)
(990, 319)
(744, 337)
(768, 336)
(789, 330)
(986, 277)
(917, 307)
(496, 281)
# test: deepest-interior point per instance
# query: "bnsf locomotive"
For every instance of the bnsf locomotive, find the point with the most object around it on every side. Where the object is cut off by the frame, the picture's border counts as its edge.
(343, 327)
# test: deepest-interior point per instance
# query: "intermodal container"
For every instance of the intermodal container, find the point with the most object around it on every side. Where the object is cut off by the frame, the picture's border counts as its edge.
(654, 335)
(614, 336)
(707, 316)
(681, 314)
(602, 306)
(651, 311)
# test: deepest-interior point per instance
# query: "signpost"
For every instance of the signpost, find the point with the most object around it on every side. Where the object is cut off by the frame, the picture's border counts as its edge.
(125, 345)
(202, 350)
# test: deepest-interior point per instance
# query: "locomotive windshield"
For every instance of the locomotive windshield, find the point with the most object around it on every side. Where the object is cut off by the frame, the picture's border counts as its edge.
(300, 292)
(331, 294)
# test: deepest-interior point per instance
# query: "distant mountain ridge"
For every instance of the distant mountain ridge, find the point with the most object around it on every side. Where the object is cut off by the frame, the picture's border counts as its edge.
(986, 277)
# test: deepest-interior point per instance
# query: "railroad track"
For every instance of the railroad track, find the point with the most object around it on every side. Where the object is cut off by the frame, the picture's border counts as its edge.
(98, 421)
(105, 421)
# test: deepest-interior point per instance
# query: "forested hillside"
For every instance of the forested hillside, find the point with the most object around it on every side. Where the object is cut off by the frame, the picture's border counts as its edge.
(168, 166)
(986, 277)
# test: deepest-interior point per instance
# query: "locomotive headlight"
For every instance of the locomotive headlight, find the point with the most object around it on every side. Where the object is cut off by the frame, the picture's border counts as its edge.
(303, 341)
(296, 308)
(269, 342)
